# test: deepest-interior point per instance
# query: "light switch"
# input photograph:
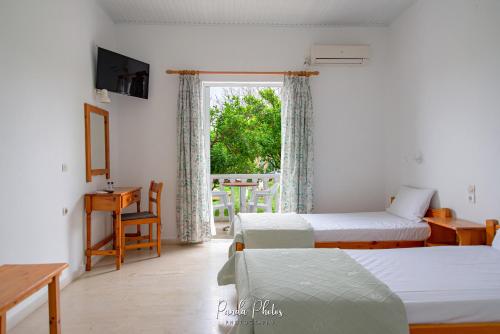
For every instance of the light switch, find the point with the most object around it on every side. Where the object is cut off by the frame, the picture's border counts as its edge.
(64, 168)
(471, 194)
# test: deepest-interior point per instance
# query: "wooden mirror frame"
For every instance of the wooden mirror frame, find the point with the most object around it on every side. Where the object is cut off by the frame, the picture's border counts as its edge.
(88, 108)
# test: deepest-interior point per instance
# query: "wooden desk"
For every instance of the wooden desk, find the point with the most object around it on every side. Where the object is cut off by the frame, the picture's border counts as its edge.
(115, 202)
(19, 281)
(451, 231)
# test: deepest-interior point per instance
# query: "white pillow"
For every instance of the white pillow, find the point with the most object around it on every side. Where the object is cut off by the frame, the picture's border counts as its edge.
(496, 241)
(411, 203)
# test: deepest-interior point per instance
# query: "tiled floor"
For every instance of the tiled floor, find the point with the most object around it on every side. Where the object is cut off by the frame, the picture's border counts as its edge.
(175, 293)
(222, 230)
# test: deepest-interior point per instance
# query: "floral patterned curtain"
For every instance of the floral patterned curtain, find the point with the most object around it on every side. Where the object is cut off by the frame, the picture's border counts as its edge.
(297, 146)
(193, 211)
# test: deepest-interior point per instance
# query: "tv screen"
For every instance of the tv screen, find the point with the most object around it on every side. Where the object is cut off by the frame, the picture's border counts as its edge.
(121, 74)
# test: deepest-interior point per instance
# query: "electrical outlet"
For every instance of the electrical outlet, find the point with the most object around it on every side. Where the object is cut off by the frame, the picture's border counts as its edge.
(471, 194)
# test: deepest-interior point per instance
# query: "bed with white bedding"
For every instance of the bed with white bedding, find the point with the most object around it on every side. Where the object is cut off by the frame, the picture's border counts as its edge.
(332, 230)
(401, 225)
(440, 287)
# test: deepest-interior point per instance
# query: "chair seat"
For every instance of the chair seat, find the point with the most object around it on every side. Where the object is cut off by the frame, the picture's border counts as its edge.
(137, 215)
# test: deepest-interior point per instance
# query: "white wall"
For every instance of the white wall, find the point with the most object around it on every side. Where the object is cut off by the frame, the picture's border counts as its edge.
(347, 104)
(445, 102)
(47, 65)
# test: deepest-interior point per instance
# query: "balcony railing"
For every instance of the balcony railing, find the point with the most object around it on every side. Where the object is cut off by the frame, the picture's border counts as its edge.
(264, 181)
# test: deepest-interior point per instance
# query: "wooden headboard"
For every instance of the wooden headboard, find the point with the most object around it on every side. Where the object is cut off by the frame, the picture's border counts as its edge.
(437, 213)
(492, 227)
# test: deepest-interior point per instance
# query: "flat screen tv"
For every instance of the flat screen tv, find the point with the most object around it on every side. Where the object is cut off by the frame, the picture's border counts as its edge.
(121, 74)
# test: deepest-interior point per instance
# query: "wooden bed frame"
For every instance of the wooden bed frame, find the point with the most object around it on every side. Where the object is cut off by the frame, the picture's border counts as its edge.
(492, 227)
(442, 213)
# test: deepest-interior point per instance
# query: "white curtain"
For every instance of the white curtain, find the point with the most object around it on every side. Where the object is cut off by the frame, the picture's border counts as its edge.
(193, 208)
(297, 146)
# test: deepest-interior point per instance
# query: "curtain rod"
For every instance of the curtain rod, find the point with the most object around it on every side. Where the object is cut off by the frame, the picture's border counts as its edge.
(291, 73)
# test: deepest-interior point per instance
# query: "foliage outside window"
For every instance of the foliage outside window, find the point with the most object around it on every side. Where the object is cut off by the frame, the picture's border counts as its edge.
(245, 134)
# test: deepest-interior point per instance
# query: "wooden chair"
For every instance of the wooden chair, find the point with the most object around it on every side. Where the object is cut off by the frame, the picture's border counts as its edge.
(144, 217)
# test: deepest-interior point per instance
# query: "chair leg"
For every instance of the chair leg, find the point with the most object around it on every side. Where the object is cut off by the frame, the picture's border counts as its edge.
(158, 239)
(138, 229)
(150, 234)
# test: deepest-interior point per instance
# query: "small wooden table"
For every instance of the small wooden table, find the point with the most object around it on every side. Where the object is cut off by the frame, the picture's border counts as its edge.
(115, 202)
(19, 281)
(451, 231)
(243, 191)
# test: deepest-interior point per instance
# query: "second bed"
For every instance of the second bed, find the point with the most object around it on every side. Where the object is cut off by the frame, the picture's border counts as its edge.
(400, 226)
(360, 230)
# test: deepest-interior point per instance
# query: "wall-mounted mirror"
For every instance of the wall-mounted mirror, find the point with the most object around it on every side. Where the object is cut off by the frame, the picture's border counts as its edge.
(96, 141)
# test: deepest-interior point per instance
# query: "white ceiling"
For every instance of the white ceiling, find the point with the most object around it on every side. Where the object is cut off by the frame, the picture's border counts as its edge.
(257, 12)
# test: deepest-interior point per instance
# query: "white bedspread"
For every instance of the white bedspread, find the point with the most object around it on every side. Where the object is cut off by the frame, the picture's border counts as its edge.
(440, 284)
(365, 226)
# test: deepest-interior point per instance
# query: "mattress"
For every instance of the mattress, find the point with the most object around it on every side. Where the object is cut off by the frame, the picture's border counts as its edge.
(440, 284)
(365, 226)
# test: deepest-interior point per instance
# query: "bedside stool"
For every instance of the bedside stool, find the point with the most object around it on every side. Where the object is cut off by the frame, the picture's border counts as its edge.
(455, 232)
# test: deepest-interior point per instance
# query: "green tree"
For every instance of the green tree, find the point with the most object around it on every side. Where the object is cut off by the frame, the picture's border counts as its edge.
(245, 135)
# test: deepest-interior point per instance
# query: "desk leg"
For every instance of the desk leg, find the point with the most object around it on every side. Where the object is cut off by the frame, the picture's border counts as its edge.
(118, 242)
(88, 263)
(54, 306)
(114, 229)
(243, 199)
(233, 193)
(3, 323)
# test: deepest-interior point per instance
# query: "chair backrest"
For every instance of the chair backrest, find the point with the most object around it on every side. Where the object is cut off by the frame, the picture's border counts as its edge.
(274, 189)
(155, 197)
(275, 177)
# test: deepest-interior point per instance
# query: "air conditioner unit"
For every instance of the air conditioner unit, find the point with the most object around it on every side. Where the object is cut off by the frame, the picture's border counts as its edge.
(340, 54)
